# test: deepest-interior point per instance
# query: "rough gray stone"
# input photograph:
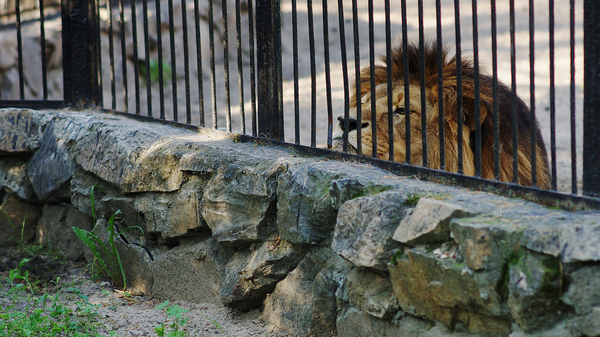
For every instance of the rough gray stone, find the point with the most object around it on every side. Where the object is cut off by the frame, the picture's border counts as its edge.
(173, 214)
(17, 131)
(304, 303)
(239, 204)
(371, 293)
(250, 278)
(355, 322)
(18, 220)
(449, 292)
(192, 272)
(486, 243)
(364, 229)
(429, 222)
(14, 178)
(534, 288)
(584, 289)
(306, 213)
(588, 325)
(139, 267)
(55, 230)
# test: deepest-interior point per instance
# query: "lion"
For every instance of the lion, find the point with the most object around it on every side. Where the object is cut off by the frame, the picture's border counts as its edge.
(450, 117)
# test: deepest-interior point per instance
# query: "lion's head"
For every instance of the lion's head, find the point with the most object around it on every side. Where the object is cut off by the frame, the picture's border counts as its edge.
(425, 118)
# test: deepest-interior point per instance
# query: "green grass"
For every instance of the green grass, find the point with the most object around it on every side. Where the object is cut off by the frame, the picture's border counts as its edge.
(26, 314)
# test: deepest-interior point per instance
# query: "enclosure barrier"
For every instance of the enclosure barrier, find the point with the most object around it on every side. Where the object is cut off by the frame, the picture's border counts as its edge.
(95, 75)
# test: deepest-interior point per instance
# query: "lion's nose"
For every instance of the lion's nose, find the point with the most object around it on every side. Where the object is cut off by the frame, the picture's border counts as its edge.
(352, 124)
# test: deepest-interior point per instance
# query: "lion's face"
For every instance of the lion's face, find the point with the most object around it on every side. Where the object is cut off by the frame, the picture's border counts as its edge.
(400, 116)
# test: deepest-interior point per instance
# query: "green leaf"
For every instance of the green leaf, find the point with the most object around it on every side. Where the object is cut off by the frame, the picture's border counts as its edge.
(162, 305)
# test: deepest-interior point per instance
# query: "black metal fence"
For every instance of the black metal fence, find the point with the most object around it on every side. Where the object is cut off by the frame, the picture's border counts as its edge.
(284, 70)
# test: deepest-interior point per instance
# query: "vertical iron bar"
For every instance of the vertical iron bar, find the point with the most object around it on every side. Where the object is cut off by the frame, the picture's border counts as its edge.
(513, 95)
(20, 51)
(406, 79)
(533, 126)
(388, 61)
(344, 72)
(111, 52)
(438, 18)
(552, 96)
(161, 80)
(186, 63)
(478, 163)
(238, 29)
(459, 86)
(268, 21)
(213, 79)
(313, 76)
(591, 102)
(43, 46)
(327, 74)
(372, 83)
(199, 62)
(124, 56)
(226, 62)
(495, 91)
(572, 89)
(97, 13)
(252, 66)
(355, 22)
(81, 51)
(136, 71)
(173, 62)
(422, 85)
(147, 60)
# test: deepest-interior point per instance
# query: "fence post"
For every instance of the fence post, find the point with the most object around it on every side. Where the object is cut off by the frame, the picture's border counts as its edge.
(81, 53)
(591, 103)
(269, 89)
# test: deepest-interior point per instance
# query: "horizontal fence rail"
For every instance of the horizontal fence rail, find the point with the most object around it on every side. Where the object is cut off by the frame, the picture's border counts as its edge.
(310, 73)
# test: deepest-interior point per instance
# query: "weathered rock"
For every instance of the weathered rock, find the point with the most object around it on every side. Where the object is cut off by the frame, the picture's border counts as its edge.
(355, 322)
(570, 238)
(306, 213)
(139, 267)
(584, 289)
(173, 214)
(18, 220)
(449, 292)
(371, 293)
(588, 325)
(250, 278)
(486, 244)
(55, 230)
(17, 131)
(534, 287)
(239, 204)
(14, 178)
(191, 272)
(364, 229)
(304, 303)
(429, 222)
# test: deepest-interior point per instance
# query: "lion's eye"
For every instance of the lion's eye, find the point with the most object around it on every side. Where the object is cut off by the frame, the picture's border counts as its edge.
(399, 111)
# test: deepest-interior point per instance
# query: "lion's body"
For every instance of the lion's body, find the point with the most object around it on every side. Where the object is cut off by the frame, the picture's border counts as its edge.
(525, 124)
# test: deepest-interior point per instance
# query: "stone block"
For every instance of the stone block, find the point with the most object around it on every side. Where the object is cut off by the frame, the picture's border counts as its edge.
(371, 293)
(364, 229)
(354, 322)
(55, 230)
(429, 222)
(18, 131)
(534, 288)
(14, 178)
(250, 278)
(18, 220)
(449, 292)
(239, 204)
(192, 272)
(584, 289)
(486, 244)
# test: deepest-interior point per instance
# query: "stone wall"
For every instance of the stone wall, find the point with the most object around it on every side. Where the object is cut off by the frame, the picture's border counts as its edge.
(323, 248)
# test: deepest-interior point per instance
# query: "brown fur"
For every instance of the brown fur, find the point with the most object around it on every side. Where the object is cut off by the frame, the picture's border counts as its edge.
(450, 118)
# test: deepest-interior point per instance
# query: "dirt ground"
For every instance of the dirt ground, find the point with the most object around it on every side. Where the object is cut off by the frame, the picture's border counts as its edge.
(121, 313)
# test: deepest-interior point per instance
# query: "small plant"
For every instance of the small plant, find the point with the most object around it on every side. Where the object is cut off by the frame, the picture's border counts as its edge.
(27, 315)
(106, 255)
(21, 241)
(412, 200)
(154, 70)
(174, 312)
